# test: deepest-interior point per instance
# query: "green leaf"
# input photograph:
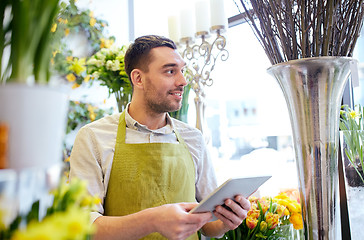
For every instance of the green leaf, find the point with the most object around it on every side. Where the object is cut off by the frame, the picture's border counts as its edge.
(33, 215)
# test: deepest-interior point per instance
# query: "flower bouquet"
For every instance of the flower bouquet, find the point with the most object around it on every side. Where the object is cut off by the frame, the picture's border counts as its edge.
(66, 218)
(107, 65)
(352, 133)
(270, 218)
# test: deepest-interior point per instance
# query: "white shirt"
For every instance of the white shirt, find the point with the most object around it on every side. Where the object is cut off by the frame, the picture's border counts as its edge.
(93, 152)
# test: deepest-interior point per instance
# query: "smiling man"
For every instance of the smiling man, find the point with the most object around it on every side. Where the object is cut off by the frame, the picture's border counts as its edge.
(148, 168)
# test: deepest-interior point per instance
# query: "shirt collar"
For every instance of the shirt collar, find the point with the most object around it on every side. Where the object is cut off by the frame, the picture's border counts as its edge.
(133, 124)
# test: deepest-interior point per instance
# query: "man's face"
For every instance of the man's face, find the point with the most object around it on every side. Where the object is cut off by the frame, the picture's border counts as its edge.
(164, 81)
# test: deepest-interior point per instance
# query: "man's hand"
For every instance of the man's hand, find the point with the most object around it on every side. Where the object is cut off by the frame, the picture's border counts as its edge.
(234, 216)
(174, 222)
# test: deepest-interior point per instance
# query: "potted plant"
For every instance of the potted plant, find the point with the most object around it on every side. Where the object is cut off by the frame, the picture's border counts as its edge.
(31, 111)
(351, 141)
(352, 137)
(34, 112)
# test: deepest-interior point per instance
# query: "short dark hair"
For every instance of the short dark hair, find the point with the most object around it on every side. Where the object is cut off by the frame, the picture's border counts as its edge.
(137, 55)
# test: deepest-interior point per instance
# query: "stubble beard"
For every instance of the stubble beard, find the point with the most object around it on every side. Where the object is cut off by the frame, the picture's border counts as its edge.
(159, 103)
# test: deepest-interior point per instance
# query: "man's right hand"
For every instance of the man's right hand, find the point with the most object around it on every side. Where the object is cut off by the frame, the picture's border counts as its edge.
(174, 222)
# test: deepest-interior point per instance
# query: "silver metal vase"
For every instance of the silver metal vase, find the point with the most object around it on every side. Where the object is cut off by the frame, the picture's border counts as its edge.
(313, 89)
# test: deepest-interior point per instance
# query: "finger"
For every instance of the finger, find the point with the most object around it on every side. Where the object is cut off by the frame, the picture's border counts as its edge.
(236, 209)
(227, 222)
(188, 206)
(231, 216)
(200, 217)
(244, 203)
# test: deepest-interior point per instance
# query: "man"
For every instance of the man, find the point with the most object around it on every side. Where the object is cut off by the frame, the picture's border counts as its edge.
(148, 168)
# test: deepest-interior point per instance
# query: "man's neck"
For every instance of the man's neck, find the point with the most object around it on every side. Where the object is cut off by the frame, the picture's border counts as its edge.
(150, 119)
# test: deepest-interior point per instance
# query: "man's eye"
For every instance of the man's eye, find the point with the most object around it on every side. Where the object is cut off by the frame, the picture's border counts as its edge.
(170, 71)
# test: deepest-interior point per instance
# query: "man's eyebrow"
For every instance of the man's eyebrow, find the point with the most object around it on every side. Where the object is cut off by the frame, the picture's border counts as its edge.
(169, 65)
(173, 65)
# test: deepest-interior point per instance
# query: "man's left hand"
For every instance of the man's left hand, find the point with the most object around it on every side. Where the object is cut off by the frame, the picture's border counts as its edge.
(234, 213)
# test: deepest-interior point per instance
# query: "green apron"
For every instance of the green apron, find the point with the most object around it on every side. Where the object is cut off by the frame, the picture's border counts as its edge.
(148, 175)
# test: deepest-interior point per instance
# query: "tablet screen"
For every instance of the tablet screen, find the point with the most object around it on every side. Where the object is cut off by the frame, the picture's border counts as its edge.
(229, 189)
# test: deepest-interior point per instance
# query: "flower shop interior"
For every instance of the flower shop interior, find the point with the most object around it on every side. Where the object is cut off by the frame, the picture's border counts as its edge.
(239, 107)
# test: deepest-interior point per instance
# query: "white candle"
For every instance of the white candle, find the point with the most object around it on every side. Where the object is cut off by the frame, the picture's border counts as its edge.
(187, 23)
(218, 13)
(202, 8)
(174, 28)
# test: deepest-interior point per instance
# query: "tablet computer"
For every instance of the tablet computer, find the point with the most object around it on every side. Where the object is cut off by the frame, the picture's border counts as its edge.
(229, 189)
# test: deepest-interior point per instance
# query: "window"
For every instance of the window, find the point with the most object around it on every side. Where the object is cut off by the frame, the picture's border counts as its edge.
(247, 116)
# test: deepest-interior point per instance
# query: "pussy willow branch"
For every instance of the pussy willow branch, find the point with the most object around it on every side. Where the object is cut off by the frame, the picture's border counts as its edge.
(292, 29)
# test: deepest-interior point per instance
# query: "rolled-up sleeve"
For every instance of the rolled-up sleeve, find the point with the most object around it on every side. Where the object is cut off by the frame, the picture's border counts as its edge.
(85, 164)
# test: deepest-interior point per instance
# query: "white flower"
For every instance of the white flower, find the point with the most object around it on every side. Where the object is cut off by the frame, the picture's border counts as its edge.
(109, 65)
(116, 66)
(95, 62)
(100, 56)
(106, 51)
(99, 63)
(96, 74)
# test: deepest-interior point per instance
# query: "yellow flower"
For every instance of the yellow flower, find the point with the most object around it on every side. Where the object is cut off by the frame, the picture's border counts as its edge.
(353, 114)
(78, 65)
(106, 43)
(265, 206)
(54, 53)
(71, 77)
(52, 61)
(67, 159)
(263, 226)
(92, 21)
(253, 213)
(2, 218)
(44, 230)
(272, 220)
(86, 201)
(87, 78)
(91, 14)
(90, 108)
(251, 222)
(292, 205)
(54, 27)
(282, 210)
(92, 116)
(69, 58)
(76, 85)
(66, 31)
(77, 224)
(296, 220)
(96, 200)
(282, 195)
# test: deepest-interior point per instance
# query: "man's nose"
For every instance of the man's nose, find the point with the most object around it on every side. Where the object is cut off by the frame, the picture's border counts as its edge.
(181, 79)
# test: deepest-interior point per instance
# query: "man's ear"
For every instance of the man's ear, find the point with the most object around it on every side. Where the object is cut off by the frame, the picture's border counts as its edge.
(137, 78)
